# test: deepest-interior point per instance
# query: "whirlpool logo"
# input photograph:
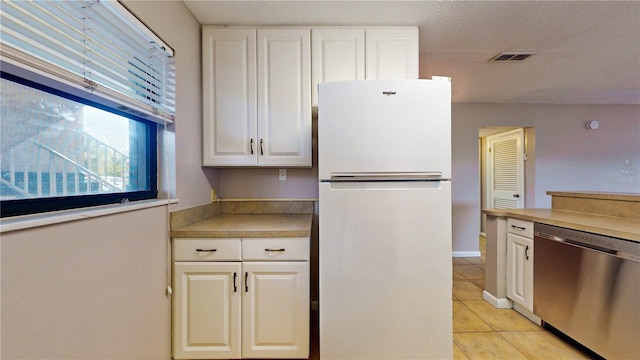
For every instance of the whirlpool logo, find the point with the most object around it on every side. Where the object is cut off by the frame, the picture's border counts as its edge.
(388, 93)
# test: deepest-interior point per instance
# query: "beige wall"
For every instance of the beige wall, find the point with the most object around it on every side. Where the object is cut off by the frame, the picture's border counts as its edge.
(567, 155)
(88, 289)
(187, 179)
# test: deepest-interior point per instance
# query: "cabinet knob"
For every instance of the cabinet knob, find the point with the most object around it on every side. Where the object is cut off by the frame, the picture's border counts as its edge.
(261, 150)
(206, 250)
(526, 252)
(251, 146)
(516, 195)
(274, 250)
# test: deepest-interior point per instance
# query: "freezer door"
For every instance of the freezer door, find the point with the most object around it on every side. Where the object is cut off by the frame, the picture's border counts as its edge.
(384, 126)
(385, 270)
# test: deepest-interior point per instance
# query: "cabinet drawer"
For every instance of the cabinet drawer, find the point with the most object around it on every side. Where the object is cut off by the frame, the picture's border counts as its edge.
(293, 248)
(520, 227)
(192, 249)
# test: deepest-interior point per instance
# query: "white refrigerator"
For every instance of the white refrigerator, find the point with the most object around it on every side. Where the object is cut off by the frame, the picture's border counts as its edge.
(384, 164)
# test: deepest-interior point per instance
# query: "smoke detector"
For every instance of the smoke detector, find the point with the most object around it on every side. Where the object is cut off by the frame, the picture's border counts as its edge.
(592, 125)
(511, 56)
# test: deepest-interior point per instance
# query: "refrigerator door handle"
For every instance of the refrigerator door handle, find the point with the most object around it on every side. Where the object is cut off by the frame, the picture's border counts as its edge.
(385, 176)
(386, 185)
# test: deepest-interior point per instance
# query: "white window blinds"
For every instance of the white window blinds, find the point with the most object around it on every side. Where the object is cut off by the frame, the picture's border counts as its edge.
(505, 160)
(94, 45)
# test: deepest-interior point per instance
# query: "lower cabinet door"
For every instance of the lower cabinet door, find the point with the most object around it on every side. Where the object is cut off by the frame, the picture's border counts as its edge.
(275, 310)
(520, 270)
(206, 310)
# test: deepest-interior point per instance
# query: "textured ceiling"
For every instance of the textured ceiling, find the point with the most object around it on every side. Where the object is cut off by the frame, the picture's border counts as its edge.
(586, 52)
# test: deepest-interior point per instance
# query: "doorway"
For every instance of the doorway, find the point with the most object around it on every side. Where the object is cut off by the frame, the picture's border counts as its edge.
(507, 168)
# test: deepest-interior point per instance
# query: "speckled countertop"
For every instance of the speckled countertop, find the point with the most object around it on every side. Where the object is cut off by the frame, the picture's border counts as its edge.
(249, 225)
(246, 219)
(620, 227)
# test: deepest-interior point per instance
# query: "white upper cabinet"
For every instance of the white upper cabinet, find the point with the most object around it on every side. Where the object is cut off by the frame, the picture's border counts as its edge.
(284, 97)
(392, 53)
(256, 97)
(257, 85)
(338, 54)
(229, 97)
(349, 53)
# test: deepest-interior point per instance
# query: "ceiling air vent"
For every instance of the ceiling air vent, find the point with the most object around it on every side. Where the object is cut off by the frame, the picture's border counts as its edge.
(511, 56)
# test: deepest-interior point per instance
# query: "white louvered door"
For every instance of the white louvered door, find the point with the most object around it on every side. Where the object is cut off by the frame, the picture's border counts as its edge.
(506, 170)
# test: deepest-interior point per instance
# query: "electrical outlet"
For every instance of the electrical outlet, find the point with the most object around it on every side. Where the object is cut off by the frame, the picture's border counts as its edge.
(282, 175)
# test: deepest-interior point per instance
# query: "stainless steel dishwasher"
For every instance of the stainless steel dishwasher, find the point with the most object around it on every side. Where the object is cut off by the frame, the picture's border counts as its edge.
(588, 287)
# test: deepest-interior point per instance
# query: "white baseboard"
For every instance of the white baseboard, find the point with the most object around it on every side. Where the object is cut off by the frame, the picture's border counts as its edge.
(527, 313)
(497, 303)
(465, 254)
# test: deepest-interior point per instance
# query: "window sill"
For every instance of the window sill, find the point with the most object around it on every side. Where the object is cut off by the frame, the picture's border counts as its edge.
(57, 217)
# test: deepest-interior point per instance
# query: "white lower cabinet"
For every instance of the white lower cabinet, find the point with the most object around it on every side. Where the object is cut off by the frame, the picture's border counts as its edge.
(275, 310)
(206, 310)
(519, 270)
(241, 298)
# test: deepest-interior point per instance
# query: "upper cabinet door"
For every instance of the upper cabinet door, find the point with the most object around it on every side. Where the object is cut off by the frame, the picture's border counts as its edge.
(338, 54)
(284, 97)
(392, 53)
(229, 97)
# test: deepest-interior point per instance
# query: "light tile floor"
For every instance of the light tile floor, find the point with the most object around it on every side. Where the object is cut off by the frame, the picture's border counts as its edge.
(480, 331)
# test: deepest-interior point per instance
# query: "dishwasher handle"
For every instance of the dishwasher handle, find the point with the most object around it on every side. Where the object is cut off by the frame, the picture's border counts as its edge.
(632, 256)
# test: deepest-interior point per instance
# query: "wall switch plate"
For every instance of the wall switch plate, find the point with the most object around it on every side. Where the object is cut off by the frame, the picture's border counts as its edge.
(282, 174)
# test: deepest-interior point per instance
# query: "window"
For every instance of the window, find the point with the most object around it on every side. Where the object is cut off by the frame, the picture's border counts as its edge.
(84, 87)
(58, 152)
